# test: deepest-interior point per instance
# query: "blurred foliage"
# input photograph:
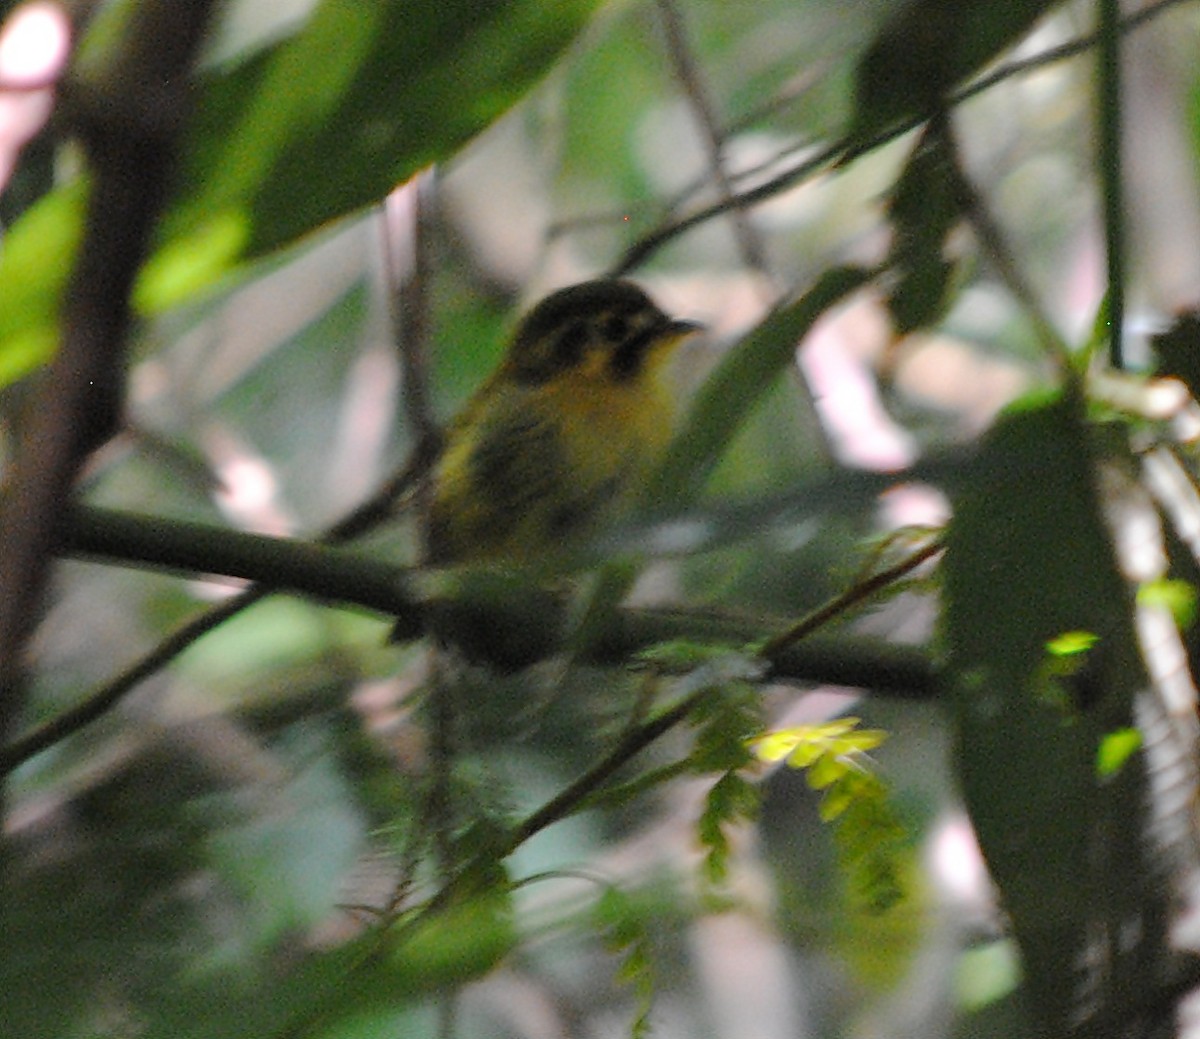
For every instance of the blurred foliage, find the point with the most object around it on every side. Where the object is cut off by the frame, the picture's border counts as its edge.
(1036, 698)
(287, 138)
(869, 836)
(625, 929)
(248, 845)
(927, 48)
(924, 208)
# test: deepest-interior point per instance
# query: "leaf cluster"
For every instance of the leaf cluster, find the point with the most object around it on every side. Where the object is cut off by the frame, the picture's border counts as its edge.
(833, 756)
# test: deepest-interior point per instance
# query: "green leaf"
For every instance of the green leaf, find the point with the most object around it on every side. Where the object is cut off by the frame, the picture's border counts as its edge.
(724, 724)
(803, 744)
(869, 838)
(926, 49)
(732, 799)
(777, 745)
(860, 741)
(987, 974)
(362, 98)
(1029, 569)
(1071, 643)
(835, 802)
(1177, 351)
(313, 128)
(680, 657)
(1115, 749)
(379, 971)
(449, 949)
(923, 293)
(924, 208)
(825, 770)
(35, 260)
(189, 263)
(1177, 596)
(873, 847)
(624, 921)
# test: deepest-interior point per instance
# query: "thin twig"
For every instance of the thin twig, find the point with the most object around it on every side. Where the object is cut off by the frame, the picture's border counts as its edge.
(796, 89)
(632, 744)
(1108, 64)
(991, 240)
(773, 105)
(407, 246)
(749, 241)
(790, 95)
(775, 647)
(98, 703)
(379, 508)
(406, 255)
(642, 250)
(687, 71)
(826, 157)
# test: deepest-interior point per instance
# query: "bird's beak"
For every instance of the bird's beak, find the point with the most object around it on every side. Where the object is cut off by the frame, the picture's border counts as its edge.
(679, 329)
(675, 331)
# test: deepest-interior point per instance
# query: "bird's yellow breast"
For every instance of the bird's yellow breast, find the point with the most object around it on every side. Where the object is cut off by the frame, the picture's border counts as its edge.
(562, 435)
(529, 469)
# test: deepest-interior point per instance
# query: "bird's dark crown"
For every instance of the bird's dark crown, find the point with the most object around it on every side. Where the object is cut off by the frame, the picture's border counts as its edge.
(614, 316)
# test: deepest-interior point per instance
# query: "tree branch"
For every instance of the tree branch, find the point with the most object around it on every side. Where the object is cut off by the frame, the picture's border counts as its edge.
(79, 403)
(341, 577)
(284, 564)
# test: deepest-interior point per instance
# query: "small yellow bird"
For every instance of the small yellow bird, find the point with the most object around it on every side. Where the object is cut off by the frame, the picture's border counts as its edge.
(561, 435)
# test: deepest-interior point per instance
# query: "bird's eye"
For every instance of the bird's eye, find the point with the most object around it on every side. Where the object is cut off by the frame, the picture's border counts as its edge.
(615, 328)
(568, 347)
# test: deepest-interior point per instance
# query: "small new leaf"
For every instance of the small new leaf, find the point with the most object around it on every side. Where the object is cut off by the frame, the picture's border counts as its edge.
(870, 840)
(678, 656)
(872, 844)
(731, 800)
(804, 744)
(825, 771)
(1072, 643)
(1115, 749)
(623, 926)
(1179, 597)
(725, 721)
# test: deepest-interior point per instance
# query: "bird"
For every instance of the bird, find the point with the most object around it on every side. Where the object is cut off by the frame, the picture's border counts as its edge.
(561, 436)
